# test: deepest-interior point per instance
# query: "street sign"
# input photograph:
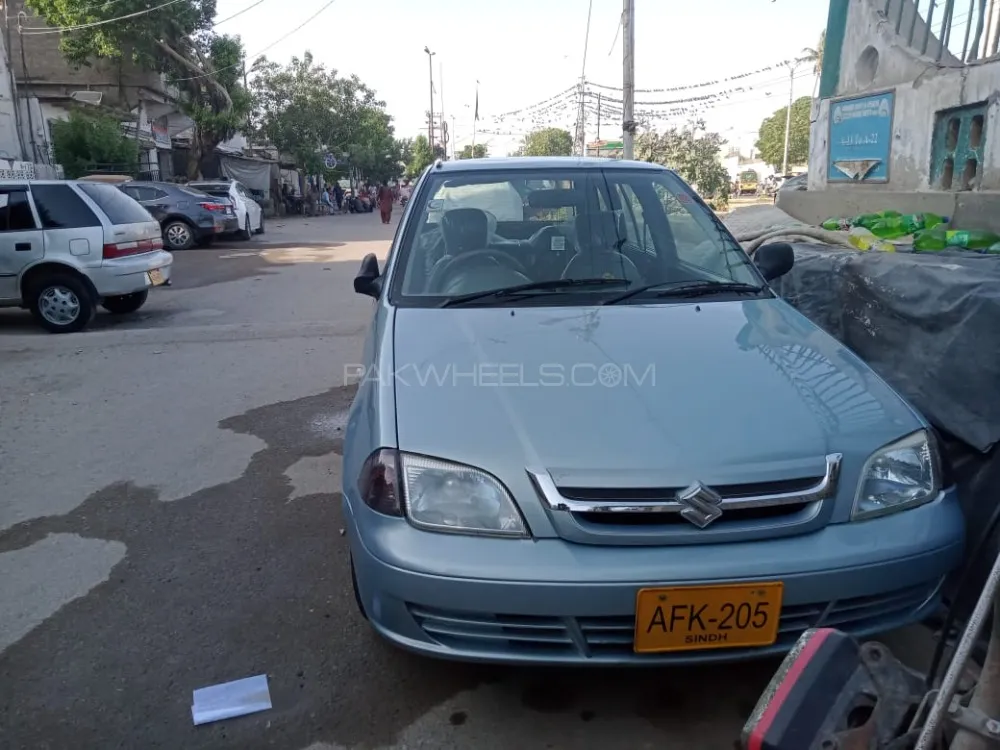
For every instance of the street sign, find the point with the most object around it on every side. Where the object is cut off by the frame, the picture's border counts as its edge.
(330, 161)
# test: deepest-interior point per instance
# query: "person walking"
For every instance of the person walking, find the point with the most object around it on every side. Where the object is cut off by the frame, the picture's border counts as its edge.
(385, 202)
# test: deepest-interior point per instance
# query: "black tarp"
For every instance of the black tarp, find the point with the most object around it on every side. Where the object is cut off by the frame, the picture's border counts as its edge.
(929, 324)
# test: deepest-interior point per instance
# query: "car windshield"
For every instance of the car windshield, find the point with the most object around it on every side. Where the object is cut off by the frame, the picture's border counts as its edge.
(616, 230)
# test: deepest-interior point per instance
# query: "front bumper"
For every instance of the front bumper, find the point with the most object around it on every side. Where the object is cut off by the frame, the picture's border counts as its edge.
(552, 602)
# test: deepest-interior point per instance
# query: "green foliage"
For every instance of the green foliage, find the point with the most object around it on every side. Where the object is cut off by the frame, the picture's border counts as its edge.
(422, 157)
(694, 157)
(88, 142)
(479, 151)
(548, 142)
(178, 40)
(305, 110)
(771, 137)
(815, 54)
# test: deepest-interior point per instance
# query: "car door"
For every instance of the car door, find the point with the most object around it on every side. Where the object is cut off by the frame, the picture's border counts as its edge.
(153, 199)
(21, 242)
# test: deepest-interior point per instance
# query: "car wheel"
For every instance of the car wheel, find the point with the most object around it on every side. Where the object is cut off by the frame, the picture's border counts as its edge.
(61, 303)
(260, 229)
(122, 304)
(178, 235)
(357, 594)
(246, 233)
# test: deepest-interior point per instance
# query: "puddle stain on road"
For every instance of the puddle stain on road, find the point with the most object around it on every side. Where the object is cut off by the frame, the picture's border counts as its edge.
(230, 581)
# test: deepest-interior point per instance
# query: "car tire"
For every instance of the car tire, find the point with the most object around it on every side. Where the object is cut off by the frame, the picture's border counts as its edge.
(178, 235)
(123, 304)
(260, 229)
(357, 594)
(61, 303)
(245, 233)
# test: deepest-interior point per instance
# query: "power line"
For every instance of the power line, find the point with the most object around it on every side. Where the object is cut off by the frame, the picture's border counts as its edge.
(703, 84)
(273, 44)
(79, 27)
(237, 13)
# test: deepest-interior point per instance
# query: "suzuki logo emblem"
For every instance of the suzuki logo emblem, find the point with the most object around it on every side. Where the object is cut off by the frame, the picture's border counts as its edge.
(701, 504)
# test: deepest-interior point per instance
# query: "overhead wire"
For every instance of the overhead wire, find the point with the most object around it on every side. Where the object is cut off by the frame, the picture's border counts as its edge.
(258, 54)
(66, 29)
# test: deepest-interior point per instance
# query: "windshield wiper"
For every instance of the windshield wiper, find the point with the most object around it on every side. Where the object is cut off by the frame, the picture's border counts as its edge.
(697, 288)
(528, 289)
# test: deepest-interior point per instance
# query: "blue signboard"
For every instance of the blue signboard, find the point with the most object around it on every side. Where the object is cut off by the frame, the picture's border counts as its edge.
(860, 138)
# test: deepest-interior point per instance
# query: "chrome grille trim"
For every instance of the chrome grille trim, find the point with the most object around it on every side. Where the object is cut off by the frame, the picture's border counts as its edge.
(824, 488)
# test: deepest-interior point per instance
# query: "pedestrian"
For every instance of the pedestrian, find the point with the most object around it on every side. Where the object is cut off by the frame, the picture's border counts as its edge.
(338, 195)
(385, 202)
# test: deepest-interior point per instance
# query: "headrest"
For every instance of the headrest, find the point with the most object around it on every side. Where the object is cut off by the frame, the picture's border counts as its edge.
(465, 229)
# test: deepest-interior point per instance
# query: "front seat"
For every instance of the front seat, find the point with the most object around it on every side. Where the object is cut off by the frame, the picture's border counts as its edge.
(463, 230)
(600, 236)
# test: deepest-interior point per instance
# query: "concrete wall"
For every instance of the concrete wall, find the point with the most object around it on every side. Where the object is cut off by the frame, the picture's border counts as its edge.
(922, 87)
(43, 71)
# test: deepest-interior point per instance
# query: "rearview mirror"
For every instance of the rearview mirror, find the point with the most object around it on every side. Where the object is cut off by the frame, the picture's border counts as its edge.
(774, 260)
(369, 278)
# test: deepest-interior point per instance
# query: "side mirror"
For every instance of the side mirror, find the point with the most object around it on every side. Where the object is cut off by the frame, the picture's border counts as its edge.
(774, 260)
(369, 278)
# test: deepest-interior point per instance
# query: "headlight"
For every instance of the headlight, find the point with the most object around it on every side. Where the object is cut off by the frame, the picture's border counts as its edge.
(901, 475)
(442, 496)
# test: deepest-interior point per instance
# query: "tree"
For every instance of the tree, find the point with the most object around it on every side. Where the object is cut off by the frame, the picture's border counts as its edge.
(694, 157)
(478, 151)
(548, 142)
(771, 137)
(86, 142)
(307, 111)
(422, 157)
(178, 40)
(815, 56)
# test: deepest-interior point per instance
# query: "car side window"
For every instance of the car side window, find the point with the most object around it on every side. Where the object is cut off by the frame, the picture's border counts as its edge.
(61, 208)
(15, 211)
(152, 194)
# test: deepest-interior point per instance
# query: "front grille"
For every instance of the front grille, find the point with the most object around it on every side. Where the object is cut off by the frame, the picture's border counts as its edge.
(538, 636)
(667, 494)
(668, 520)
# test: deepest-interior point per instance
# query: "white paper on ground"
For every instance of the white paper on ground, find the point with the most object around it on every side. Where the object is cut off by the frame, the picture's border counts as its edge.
(236, 698)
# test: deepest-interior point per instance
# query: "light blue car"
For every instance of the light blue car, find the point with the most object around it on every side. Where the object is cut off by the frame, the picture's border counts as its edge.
(587, 432)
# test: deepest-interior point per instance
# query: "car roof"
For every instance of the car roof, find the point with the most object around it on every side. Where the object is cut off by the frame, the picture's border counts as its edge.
(227, 183)
(537, 163)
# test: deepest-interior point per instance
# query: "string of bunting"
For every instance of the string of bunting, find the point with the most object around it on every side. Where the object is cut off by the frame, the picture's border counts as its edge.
(703, 84)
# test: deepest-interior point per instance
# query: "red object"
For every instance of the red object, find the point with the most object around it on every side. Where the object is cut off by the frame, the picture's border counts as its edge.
(123, 249)
(215, 207)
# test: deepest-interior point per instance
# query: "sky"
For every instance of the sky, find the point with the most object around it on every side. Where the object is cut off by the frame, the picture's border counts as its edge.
(525, 52)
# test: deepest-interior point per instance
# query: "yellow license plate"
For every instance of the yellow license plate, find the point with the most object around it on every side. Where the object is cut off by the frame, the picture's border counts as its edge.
(686, 618)
(156, 277)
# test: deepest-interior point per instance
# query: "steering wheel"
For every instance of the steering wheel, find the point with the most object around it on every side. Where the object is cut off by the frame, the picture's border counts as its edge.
(446, 269)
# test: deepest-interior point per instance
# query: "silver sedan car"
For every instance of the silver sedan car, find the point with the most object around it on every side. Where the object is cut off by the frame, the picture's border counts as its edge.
(587, 431)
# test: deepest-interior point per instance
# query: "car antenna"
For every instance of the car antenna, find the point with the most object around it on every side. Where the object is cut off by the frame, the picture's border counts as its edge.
(438, 163)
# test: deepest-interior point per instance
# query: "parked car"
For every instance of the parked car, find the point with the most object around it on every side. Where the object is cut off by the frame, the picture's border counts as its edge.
(796, 182)
(249, 214)
(187, 216)
(67, 247)
(603, 441)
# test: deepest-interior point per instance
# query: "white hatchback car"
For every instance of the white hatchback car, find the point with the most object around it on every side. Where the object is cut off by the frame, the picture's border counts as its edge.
(248, 210)
(67, 247)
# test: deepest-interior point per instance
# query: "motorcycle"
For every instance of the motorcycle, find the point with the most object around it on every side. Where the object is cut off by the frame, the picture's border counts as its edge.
(833, 693)
(403, 199)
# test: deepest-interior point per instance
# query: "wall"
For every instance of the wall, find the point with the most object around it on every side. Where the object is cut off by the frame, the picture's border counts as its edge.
(922, 88)
(10, 146)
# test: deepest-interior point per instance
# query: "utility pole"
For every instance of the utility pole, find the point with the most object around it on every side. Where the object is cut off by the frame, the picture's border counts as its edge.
(475, 119)
(598, 121)
(581, 113)
(628, 79)
(453, 139)
(430, 119)
(444, 123)
(788, 115)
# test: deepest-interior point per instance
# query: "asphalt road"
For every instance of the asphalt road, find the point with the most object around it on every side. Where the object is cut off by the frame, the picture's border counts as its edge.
(169, 519)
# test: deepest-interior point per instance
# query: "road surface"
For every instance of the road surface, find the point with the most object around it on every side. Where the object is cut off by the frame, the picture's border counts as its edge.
(169, 519)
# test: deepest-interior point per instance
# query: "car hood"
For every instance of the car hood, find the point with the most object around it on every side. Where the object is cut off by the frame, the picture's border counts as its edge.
(654, 393)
